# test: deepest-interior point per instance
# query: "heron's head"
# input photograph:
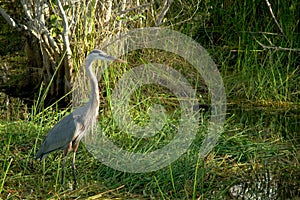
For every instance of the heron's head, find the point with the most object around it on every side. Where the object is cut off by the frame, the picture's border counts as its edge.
(97, 54)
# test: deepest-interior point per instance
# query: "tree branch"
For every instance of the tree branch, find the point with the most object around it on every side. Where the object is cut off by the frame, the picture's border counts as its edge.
(123, 7)
(27, 9)
(108, 12)
(135, 8)
(14, 24)
(65, 34)
(276, 48)
(9, 20)
(275, 20)
(164, 10)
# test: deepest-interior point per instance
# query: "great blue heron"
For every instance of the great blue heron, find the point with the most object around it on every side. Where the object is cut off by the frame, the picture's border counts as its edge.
(68, 132)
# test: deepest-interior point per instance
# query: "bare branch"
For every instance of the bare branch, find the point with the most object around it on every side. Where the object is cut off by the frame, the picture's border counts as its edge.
(9, 20)
(188, 19)
(140, 19)
(64, 17)
(75, 14)
(108, 11)
(12, 23)
(27, 9)
(276, 48)
(123, 7)
(164, 10)
(275, 20)
(65, 34)
(136, 8)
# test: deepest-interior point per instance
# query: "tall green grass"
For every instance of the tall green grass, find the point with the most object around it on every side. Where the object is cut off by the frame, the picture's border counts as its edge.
(256, 141)
(251, 73)
(252, 142)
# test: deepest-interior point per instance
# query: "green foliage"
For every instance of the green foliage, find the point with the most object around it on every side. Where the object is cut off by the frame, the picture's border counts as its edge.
(55, 25)
(256, 141)
(233, 31)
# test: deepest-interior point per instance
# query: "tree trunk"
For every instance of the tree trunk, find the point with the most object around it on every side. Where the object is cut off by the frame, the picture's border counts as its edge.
(51, 26)
(45, 67)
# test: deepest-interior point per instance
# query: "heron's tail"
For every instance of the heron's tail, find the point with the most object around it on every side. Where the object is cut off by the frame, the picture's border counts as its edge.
(40, 155)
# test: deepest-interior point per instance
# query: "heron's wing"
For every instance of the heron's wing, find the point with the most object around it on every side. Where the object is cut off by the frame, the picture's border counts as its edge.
(61, 135)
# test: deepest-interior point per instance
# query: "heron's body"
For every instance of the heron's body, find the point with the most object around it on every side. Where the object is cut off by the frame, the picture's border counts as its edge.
(68, 132)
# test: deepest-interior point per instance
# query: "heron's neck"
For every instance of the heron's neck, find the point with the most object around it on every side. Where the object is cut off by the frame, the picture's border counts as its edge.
(94, 91)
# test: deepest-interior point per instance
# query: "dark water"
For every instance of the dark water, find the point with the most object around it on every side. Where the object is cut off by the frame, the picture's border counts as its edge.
(270, 121)
(275, 136)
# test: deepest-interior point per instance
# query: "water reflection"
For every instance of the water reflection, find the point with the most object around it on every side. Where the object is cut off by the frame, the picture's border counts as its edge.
(272, 152)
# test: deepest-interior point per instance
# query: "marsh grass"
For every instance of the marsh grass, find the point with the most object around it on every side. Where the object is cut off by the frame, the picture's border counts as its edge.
(260, 144)
(256, 142)
(236, 159)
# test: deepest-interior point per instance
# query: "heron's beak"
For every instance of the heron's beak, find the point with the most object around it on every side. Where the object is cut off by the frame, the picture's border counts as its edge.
(119, 60)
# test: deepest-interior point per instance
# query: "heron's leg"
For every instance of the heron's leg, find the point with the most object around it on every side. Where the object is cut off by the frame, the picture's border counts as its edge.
(74, 170)
(66, 151)
(63, 169)
(73, 164)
